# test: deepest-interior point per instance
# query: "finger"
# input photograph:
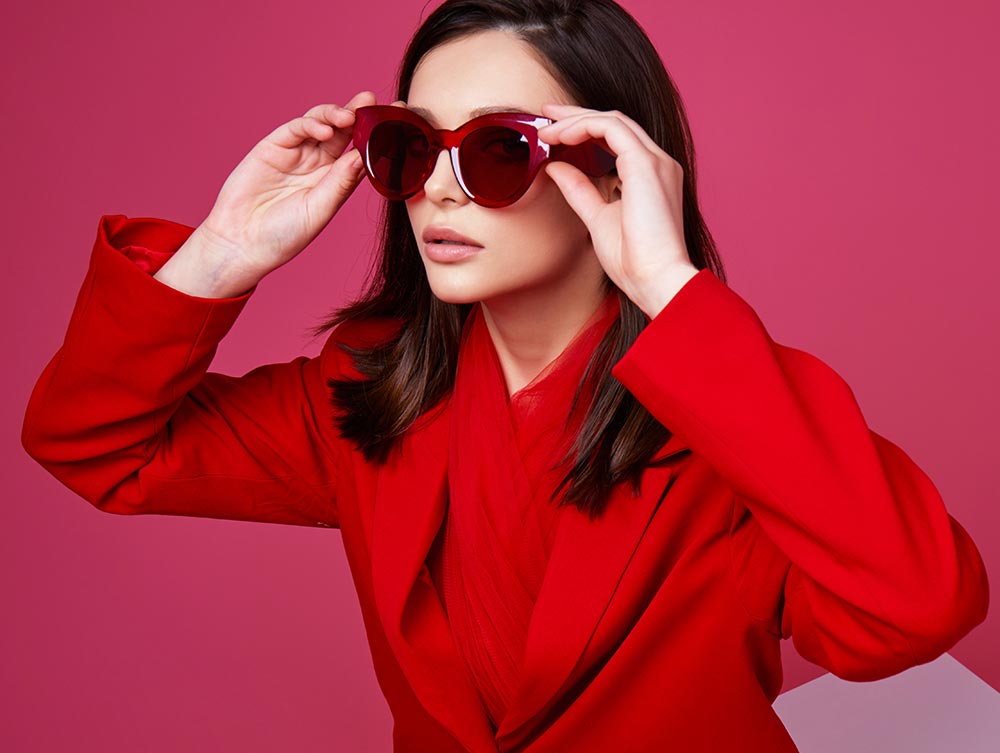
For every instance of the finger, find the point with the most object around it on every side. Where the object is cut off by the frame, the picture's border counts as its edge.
(621, 140)
(336, 186)
(572, 113)
(342, 177)
(294, 132)
(334, 140)
(580, 193)
(335, 115)
(332, 128)
(342, 115)
(566, 114)
(556, 132)
(363, 98)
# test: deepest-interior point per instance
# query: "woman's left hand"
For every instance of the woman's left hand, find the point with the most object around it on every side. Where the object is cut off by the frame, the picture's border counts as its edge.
(639, 238)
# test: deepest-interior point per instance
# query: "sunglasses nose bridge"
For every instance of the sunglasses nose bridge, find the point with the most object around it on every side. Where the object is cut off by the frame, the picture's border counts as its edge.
(452, 141)
(457, 168)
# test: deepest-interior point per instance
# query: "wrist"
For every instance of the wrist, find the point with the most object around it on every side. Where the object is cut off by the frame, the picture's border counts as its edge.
(207, 267)
(656, 298)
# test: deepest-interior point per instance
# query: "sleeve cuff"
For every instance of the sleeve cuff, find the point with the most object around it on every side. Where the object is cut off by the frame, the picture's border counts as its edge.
(126, 254)
(704, 309)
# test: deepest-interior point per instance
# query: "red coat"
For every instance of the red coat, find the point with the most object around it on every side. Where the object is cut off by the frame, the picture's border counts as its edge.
(657, 628)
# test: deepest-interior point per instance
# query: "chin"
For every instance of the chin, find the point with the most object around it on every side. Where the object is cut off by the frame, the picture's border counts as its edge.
(456, 295)
(452, 285)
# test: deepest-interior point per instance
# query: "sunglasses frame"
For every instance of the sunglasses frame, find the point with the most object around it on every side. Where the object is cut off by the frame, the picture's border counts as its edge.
(591, 158)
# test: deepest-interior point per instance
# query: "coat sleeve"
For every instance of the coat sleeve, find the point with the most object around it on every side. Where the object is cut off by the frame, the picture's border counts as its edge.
(881, 577)
(126, 416)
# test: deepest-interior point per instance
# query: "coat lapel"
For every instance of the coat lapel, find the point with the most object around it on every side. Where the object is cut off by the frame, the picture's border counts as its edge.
(410, 501)
(585, 567)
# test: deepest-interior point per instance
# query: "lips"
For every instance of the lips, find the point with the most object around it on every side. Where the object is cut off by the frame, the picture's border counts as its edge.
(447, 236)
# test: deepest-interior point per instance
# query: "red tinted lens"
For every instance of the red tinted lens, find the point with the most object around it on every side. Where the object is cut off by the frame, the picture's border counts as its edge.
(398, 156)
(495, 161)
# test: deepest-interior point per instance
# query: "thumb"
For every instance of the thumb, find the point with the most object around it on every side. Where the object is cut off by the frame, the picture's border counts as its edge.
(582, 195)
(340, 180)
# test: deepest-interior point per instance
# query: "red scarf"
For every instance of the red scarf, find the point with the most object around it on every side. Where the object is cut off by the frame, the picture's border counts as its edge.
(500, 524)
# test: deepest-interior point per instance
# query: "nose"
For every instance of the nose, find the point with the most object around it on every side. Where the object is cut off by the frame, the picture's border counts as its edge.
(442, 184)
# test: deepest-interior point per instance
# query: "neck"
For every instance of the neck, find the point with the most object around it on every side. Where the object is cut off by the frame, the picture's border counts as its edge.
(530, 328)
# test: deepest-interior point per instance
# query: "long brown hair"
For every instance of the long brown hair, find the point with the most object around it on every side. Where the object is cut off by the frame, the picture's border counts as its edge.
(603, 59)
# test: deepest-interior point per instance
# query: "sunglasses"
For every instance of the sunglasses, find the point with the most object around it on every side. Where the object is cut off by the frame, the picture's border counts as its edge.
(495, 156)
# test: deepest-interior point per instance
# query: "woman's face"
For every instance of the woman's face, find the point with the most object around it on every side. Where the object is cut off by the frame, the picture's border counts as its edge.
(537, 243)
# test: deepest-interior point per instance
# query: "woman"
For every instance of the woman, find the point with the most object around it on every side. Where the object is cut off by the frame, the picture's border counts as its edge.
(582, 492)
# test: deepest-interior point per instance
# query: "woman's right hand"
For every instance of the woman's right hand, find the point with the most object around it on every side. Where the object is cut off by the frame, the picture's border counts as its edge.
(283, 193)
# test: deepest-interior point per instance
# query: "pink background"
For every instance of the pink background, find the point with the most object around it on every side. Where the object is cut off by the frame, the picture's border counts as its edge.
(847, 165)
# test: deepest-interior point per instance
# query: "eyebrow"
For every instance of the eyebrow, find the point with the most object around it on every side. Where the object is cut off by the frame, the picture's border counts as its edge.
(488, 109)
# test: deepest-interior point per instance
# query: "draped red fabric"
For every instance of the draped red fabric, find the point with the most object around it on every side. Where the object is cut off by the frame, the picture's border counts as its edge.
(500, 524)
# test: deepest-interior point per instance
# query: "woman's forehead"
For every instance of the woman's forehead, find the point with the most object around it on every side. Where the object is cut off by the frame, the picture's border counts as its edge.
(475, 112)
(463, 78)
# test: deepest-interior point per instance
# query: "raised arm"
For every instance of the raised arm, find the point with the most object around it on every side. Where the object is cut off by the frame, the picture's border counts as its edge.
(881, 577)
(126, 416)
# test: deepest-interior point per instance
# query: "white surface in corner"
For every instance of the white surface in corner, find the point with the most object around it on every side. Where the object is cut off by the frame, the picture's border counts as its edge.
(938, 707)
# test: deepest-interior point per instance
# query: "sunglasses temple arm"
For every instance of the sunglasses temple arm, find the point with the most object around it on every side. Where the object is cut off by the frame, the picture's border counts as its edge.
(590, 158)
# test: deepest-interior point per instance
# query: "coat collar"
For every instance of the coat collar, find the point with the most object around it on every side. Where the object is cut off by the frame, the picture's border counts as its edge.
(586, 564)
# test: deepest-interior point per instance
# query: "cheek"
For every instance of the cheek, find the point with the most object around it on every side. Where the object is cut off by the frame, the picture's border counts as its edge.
(548, 194)
(546, 220)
